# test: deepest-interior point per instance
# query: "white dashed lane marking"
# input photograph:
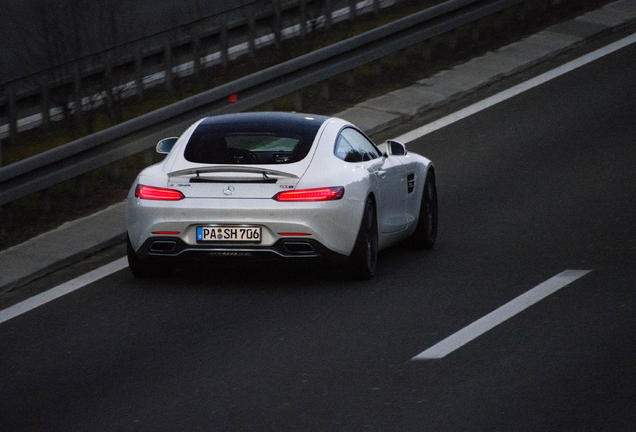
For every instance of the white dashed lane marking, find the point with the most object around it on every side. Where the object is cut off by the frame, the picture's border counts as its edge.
(500, 315)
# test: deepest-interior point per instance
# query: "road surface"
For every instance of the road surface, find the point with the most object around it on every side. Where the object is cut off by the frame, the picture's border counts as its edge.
(540, 184)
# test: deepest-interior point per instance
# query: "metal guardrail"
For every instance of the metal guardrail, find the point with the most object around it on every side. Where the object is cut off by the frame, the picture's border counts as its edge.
(110, 73)
(79, 157)
(97, 78)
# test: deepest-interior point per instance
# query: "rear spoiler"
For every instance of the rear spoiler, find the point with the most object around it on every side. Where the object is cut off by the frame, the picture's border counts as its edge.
(229, 169)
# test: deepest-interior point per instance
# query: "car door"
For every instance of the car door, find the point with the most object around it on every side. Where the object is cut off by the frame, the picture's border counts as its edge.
(389, 176)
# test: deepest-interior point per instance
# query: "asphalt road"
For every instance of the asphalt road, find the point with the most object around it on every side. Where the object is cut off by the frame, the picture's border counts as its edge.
(538, 184)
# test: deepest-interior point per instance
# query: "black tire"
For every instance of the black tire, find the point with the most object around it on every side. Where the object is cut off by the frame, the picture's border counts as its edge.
(426, 231)
(364, 258)
(139, 268)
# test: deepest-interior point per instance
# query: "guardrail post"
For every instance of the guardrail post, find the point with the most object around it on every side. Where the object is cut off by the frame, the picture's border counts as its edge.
(251, 33)
(298, 101)
(303, 18)
(80, 186)
(224, 43)
(377, 68)
(427, 52)
(115, 172)
(45, 105)
(45, 201)
(325, 92)
(402, 59)
(139, 73)
(7, 217)
(77, 93)
(277, 24)
(452, 40)
(108, 80)
(474, 31)
(351, 79)
(523, 12)
(352, 10)
(148, 156)
(196, 50)
(167, 60)
(328, 7)
(499, 21)
(13, 115)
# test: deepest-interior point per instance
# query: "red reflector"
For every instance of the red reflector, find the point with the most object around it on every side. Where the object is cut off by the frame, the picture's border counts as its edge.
(322, 194)
(166, 232)
(154, 193)
(293, 234)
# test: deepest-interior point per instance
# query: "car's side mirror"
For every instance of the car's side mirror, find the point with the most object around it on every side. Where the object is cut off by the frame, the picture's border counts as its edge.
(165, 145)
(395, 148)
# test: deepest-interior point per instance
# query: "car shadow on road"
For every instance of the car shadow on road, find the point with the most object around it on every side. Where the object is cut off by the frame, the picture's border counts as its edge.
(249, 276)
(234, 274)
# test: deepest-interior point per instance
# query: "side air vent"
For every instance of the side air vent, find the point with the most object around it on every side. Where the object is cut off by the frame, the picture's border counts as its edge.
(410, 179)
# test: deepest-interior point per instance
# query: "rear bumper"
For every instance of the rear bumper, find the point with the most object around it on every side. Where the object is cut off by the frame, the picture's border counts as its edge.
(329, 225)
(174, 250)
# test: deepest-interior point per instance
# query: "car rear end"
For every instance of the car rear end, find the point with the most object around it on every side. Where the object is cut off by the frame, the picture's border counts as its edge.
(241, 199)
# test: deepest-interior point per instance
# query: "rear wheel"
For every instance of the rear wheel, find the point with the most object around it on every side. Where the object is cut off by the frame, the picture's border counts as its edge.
(364, 258)
(426, 230)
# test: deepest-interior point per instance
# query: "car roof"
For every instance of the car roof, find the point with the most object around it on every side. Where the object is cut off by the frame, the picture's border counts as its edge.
(264, 118)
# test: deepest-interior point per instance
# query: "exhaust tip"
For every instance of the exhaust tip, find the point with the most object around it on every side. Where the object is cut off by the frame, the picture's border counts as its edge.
(299, 248)
(163, 246)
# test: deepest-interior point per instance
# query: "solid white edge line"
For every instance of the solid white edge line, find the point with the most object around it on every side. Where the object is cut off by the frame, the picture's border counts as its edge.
(500, 315)
(513, 91)
(63, 289)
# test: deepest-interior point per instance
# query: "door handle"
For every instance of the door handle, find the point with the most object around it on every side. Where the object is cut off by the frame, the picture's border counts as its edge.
(382, 173)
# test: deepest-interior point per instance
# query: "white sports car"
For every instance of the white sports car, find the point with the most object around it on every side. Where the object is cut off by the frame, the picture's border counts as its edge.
(278, 186)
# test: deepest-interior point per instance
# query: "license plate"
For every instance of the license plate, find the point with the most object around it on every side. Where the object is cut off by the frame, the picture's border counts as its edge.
(229, 234)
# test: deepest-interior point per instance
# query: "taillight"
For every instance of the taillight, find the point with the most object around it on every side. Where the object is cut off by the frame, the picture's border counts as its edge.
(155, 193)
(322, 194)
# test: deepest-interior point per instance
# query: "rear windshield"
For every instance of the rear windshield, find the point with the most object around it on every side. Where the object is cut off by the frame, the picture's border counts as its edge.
(250, 143)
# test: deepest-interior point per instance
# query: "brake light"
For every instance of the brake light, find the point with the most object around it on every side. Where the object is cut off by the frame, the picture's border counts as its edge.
(322, 194)
(155, 193)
